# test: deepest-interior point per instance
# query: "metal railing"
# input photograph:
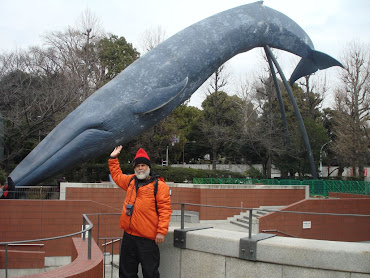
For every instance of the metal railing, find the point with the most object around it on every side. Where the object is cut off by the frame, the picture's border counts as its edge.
(278, 231)
(35, 192)
(105, 244)
(112, 241)
(84, 230)
(317, 187)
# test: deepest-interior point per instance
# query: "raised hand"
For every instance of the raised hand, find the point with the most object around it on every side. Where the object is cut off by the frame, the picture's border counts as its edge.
(116, 152)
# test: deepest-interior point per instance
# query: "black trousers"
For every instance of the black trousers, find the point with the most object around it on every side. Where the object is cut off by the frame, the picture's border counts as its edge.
(135, 250)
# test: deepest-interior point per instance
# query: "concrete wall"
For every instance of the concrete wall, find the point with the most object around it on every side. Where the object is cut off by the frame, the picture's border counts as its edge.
(36, 219)
(326, 227)
(213, 253)
(248, 196)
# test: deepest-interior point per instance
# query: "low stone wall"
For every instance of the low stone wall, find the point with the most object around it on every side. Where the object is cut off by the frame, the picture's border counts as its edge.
(80, 266)
(214, 253)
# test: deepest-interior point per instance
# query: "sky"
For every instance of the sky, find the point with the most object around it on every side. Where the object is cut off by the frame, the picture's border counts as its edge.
(331, 24)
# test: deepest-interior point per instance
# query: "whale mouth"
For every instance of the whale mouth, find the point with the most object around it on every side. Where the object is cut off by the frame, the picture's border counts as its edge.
(59, 155)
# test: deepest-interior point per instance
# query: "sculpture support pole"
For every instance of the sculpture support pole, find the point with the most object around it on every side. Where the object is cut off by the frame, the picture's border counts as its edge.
(296, 110)
(280, 99)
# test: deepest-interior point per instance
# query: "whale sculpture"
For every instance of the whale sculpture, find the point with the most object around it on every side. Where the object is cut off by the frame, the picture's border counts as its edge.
(154, 85)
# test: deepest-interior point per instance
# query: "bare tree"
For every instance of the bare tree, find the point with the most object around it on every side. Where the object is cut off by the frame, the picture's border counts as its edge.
(34, 95)
(264, 139)
(249, 117)
(151, 37)
(352, 104)
(92, 30)
(264, 129)
(214, 123)
(89, 21)
(247, 93)
(75, 50)
(40, 86)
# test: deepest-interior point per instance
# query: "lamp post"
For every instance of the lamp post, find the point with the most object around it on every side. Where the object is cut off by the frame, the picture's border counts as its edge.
(322, 147)
(167, 156)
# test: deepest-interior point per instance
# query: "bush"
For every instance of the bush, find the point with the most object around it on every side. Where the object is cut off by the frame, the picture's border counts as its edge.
(254, 173)
(95, 172)
(179, 175)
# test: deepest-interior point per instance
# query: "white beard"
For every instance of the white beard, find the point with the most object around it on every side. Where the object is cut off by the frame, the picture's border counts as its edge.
(142, 175)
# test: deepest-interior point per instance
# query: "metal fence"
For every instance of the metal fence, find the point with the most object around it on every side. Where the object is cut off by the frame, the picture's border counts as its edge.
(110, 264)
(35, 192)
(317, 187)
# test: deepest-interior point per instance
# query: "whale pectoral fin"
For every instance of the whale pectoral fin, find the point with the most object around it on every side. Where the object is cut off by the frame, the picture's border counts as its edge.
(159, 98)
(308, 65)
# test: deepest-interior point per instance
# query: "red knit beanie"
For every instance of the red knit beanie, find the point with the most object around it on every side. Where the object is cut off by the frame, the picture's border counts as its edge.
(141, 158)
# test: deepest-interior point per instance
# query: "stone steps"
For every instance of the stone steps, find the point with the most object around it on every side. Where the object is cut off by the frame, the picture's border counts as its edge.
(242, 219)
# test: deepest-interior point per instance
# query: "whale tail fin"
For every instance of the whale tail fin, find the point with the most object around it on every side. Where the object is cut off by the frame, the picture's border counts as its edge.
(312, 63)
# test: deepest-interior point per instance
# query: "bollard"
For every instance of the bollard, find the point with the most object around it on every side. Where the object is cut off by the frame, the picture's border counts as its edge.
(250, 223)
(182, 216)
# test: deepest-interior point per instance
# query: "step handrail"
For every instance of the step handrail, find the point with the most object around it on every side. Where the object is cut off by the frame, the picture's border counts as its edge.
(26, 244)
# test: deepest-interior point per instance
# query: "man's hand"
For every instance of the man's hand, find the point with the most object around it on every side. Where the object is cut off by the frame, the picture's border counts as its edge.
(159, 238)
(116, 152)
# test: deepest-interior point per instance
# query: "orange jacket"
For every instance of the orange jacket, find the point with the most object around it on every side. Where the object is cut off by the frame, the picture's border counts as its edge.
(144, 221)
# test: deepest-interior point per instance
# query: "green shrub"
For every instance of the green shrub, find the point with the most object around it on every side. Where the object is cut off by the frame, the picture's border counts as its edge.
(254, 173)
(179, 175)
(95, 172)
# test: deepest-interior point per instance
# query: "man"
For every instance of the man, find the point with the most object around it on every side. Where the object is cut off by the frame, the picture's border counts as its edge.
(7, 191)
(3, 191)
(145, 216)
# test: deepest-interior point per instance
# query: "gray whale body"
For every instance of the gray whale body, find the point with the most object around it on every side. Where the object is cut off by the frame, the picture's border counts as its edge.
(154, 85)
